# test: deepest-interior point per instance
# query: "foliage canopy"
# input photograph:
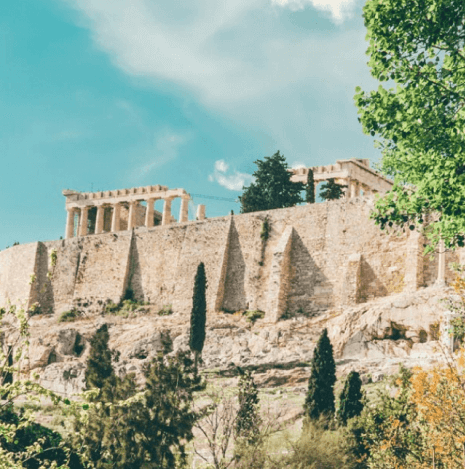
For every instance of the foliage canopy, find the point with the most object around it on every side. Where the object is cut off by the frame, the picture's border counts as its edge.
(418, 45)
(272, 187)
(331, 190)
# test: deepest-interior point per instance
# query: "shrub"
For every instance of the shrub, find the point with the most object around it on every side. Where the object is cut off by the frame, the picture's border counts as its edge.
(252, 316)
(165, 311)
(319, 448)
(124, 308)
(265, 233)
(34, 309)
(70, 316)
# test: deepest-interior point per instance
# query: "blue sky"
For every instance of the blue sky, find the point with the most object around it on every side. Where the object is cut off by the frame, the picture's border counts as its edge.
(108, 94)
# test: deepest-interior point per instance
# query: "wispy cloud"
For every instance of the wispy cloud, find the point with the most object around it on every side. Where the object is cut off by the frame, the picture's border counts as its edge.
(234, 181)
(339, 10)
(165, 149)
(240, 59)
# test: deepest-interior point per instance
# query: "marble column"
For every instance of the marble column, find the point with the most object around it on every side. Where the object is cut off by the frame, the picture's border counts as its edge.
(149, 213)
(201, 212)
(184, 211)
(70, 223)
(354, 189)
(166, 218)
(83, 221)
(441, 280)
(132, 214)
(99, 219)
(115, 219)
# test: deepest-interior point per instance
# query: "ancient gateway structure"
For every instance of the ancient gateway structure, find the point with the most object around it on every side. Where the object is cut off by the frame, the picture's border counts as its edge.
(315, 256)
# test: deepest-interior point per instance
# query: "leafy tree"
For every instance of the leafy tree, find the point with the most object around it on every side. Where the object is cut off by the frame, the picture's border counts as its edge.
(99, 367)
(320, 395)
(350, 400)
(272, 187)
(168, 417)
(331, 190)
(248, 418)
(310, 188)
(25, 443)
(390, 434)
(198, 313)
(419, 48)
(139, 428)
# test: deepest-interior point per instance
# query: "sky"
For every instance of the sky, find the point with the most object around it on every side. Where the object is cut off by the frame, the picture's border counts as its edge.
(113, 94)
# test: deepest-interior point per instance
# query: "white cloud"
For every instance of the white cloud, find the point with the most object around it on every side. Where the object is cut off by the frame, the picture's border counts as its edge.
(237, 58)
(298, 165)
(221, 166)
(234, 181)
(165, 149)
(339, 10)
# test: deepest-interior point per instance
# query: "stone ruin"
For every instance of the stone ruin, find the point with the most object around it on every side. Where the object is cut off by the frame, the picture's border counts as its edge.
(355, 173)
(121, 210)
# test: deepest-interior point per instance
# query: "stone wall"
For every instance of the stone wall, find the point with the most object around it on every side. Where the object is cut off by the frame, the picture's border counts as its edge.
(17, 265)
(315, 257)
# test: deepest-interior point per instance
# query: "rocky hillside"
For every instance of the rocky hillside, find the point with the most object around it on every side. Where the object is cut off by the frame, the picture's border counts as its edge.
(372, 338)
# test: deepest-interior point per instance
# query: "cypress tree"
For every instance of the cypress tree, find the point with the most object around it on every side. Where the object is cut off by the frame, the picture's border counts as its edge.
(99, 371)
(248, 418)
(310, 188)
(331, 190)
(350, 399)
(198, 313)
(320, 396)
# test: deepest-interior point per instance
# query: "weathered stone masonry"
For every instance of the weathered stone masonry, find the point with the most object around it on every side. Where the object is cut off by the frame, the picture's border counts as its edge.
(317, 257)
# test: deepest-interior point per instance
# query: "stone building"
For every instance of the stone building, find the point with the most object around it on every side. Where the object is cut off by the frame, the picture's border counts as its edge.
(121, 210)
(355, 173)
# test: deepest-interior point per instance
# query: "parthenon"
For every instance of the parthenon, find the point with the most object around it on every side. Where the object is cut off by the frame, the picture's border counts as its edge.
(355, 173)
(118, 210)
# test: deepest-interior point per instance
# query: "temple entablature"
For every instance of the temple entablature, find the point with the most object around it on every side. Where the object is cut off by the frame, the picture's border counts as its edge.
(355, 173)
(120, 210)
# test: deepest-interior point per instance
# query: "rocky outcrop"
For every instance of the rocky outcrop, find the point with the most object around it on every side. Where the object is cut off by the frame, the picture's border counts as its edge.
(372, 338)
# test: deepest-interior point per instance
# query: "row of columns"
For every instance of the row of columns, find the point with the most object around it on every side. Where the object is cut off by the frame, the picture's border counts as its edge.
(353, 188)
(116, 216)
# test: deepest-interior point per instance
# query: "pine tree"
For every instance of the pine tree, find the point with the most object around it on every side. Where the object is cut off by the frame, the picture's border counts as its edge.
(167, 417)
(272, 187)
(331, 190)
(320, 396)
(310, 188)
(198, 313)
(350, 399)
(248, 418)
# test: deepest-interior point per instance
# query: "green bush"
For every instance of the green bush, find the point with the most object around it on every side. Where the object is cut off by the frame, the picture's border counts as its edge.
(70, 316)
(34, 309)
(252, 316)
(124, 308)
(165, 311)
(318, 448)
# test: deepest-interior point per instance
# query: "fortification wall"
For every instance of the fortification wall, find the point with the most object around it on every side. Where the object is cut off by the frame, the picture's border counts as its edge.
(17, 265)
(314, 257)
